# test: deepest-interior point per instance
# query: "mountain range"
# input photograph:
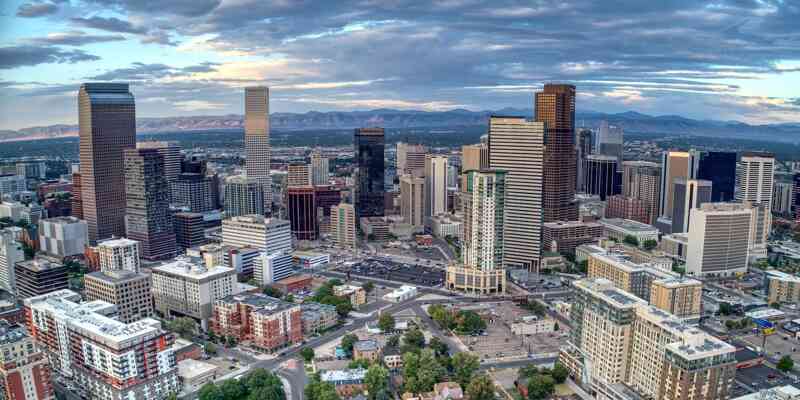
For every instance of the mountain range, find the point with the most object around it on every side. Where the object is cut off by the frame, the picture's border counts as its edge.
(630, 121)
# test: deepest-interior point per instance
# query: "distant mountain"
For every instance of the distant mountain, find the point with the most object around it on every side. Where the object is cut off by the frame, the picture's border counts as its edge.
(631, 121)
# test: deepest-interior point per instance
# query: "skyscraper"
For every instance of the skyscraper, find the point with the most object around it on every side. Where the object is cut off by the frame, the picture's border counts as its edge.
(719, 236)
(107, 119)
(172, 156)
(610, 142)
(412, 198)
(77, 196)
(343, 226)
(755, 176)
(411, 158)
(243, 196)
(641, 180)
(256, 141)
(319, 169)
(584, 147)
(555, 106)
(688, 194)
(300, 206)
(674, 164)
(10, 254)
(148, 218)
(719, 167)
(600, 175)
(369, 185)
(474, 157)
(517, 147)
(298, 174)
(435, 186)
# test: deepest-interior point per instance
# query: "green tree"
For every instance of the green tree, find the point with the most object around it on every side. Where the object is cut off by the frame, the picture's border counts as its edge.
(343, 309)
(540, 387)
(347, 343)
(480, 387)
(386, 322)
(393, 341)
(775, 305)
(289, 297)
(559, 373)
(439, 348)
(785, 364)
(273, 292)
(442, 316)
(376, 381)
(527, 372)
(583, 266)
(233, 389)
(464, 366)
(469, 322)
(414, 339)
(725, 309)
(210, 348)
(318, 390)
(631, 240)
(231, 341)
(650, 244)
(421, 371)
(335, 282)
(556, 327)
(360, 363)
(307, 353)
(183, 326)
(28, 251)
(368, 287)
(210, 391)
(730, 324)
(172, 396)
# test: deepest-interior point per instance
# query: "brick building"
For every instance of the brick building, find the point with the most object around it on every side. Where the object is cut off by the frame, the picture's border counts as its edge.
(265, 322)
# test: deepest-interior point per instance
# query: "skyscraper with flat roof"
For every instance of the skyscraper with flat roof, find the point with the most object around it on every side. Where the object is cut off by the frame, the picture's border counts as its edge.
(435, 186)
(719, 167)
(107, 119)
(148, 218)
(369, 185)
(756, 176)
(688, 194)
(256, 141)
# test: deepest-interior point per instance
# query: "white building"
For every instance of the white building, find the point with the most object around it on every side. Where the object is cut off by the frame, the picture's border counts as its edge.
(12, 210)
(755, 176)
(533, 326)
(446, 225)
(435, 186)
(12, 183)
(270, 268)
(401, 294)
(618, 229)
(267, 234)
(787, 392)
(242, 259)
(118, 254)
(10, 254)
(308, 259)
(718, 239)
(63, 236)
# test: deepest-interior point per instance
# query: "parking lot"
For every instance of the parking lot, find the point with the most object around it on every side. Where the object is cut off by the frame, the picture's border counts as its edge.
(394, 271)
(761, 377)
(777, 346)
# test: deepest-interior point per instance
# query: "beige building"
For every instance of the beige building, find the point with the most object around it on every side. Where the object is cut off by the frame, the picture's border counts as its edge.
(298, 175)
(719, 238)
(343, 225)
(256, 143)
(412, 197)
(633, 278)
(674, 164)
(755, 176)
(782, 287)
(118, 254)
(474, 156)
(680, 297)
(435, 186)
(130, 291)
(356, 294)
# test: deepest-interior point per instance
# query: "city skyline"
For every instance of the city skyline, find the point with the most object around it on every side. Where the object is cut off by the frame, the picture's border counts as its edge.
(735, 61)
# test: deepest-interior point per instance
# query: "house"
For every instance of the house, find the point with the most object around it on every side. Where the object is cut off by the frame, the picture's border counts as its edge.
(366, 350)
(392, 358)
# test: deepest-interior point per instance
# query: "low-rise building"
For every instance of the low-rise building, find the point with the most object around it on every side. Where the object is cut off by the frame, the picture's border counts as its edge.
(375, 228)
(119, 254)
(392, 358)
(618, 229)
(366, 350)
(39, 276)
(294, 284)
(271, 268)
(675, 245)
(196, 373)
(309, 259)
(356, 294)
(347, 381)
(401, 294)
(63, 236)
(318, 317)
(263, 322)
(533, 326)
(445, 225)
(563, 237)
(786, 392)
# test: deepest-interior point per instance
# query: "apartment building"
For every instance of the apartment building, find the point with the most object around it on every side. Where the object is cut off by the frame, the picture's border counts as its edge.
(679, 296)
(356, 294)
(10, 254)
(130, 291)
(719, 238)
(633, 278)
(24, 371)
(264, 322)
(318, 317)
(118, 254)
(782, 287)
(343, 226)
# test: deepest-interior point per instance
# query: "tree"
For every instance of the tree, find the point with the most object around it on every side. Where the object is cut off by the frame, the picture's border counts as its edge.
(540, 387)
(210, 391)
(233, 389)
(318, 390)
(650, 244)
(289, 297)
(583, 266)
(183, 326)
(335, 282)
(775, 305)
(480, 387)
(556, 327)
(210, 348)
(730, 324)
(414, 339)
(376, 381)
(442, 316)
(368, 287)
(559, 373)
(439, 348)
(386, 322)
(421, 371)
(631, 240)
(469, 322)
(785, 364)
(29, 251)
(273, 292)
(464, 366)
(231, 340)
(393, 341)
(347, 343)
(262, 384)
(725, 309)
(360, 363)
(527, 372)
(343, 309)
(307, 353)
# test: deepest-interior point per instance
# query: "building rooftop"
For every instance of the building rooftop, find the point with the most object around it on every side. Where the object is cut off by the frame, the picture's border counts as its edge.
(119, 242)
(308, 254)
(628, 225)
(40, 264)
(724, 207)
(343, 375)
(701, 345)
(294, 279)
(570, 224)
(192, 268)
(782, 275)
(11, 333)
(116, 276)
(365, 345)
(787, 392)
(260, 302)
(606, 290)
(189, 368)
(679, 281)
(64, 220)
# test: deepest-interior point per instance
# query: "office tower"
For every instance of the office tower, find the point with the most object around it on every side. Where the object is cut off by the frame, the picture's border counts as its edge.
(270, 268)
(129, 291)
(244, 196)
(148, 218)
(39, 276)
(32, 170)
(782, 197)
(610, 142)
(555, 106)
(63, 236)
(140, 362)
(755, 178)
(195, 191)
(369, 185)
(77, 196)
(343, 226)
(118, 255)
(302, 213)
(325, 197)
(184, 288)
(688, 194)
(680, 297)
(474, 157)
(719, 167)
(583, 145)
(719, 236)
(483, 269)
(563, 237)
(268, 323)
(12, 184)
(298, 174)
(411, 159)
(10, 254)
(517, 147)
(641, 180)
(600, 175)
(107, 119)
(796, 195)
(320, 169)
(189, 230)
(435, 186)
(171, 153)
(242, 259)
(674, 164)
(256, 143)
(412, 199)
(272, 235)
(24, 371)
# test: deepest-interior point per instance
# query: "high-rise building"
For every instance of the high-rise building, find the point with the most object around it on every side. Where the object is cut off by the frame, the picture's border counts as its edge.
(256, 142)
(412, 199)
(107, 119)
(369, 185)
(678, 296)
(610, 142)
(796, 191)
(302, 212)
(77, 196)
(782, 197)
(139, 359)
(688, 194)
(298, 174)
(129, 291)
(435, 186)
(583, 145)
(39, 276)
(10, 254)
(633, 278)
(719, 167)
(555, 106)
(195, 191)
(32, 170)
(474, 157)
(148, 218)
(185, 287)
(12, 183)
(118, 254)
(171, 152)
(755, 177)
(517, 147)
(411, 159)
(674, 164)
(781, 287)
(320, 169)
(641, 180)
(63, 236)
(483, 269)
(272, 235)
(343, 226)
(24, 371)
(244, 196)
(719, 236)
(600, 175)
(270, 268)
(325, 197)
(189, 230)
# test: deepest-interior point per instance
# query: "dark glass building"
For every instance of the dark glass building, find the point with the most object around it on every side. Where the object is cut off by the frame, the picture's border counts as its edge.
(369, 151)
(148, 218)
(300, 207)
(719, 167)
(601, 176)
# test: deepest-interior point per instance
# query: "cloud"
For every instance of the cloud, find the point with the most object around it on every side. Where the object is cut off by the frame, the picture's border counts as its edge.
(110, 24)
(74, 38)
(189, 8)
(29, 55)
(198, 105)
(33, 10)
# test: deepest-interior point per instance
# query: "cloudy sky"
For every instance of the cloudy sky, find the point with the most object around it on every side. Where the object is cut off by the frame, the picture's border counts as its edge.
(724, 59)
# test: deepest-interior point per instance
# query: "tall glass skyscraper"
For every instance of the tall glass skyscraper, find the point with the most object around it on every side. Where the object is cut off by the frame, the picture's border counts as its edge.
(369, 147)
(719, 167)
(148, 218)
(256, 140)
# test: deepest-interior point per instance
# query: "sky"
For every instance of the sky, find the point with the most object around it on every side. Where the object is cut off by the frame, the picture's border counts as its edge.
(710, 59)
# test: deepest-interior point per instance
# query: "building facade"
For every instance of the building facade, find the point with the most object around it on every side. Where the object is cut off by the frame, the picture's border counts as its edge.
(412, 200)
(244, 196)
(600, 175)
(564, 237)
(272, 235)
(129, 291)
(302, 212)
(435, 186)
(10, 254)
(343, 226)
(24, 371)
(688, 194)
(719, 239)
(641, 180)
(264, 322)
(369, 185)
(63, 236)
(119, 254)
(755, 178)
(39, 276)
(256, 146)
(148, 218)
(320, 169)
